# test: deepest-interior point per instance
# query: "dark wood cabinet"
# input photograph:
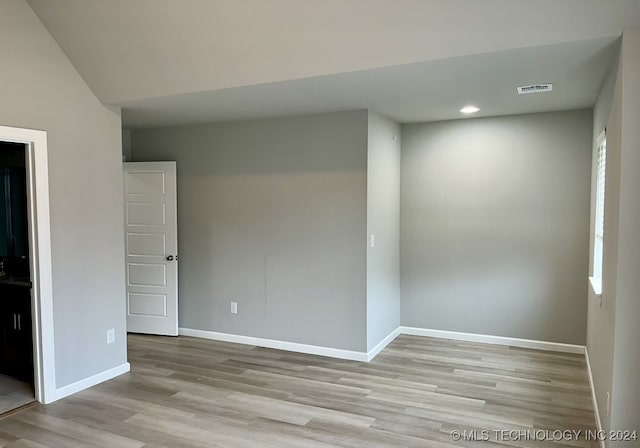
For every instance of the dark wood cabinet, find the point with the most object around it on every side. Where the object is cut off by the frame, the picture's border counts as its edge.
(16, 346)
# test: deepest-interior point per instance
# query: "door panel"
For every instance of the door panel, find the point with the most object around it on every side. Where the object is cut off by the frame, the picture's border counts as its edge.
(146, 214)
(148, 304)
(146, 183)
(146, 244)
(151, 244)
(146, 274)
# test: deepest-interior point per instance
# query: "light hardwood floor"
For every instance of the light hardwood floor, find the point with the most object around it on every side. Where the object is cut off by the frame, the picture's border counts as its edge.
(185, 392)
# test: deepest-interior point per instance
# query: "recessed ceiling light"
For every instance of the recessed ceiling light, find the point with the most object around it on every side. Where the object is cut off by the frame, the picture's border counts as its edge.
(469, 109)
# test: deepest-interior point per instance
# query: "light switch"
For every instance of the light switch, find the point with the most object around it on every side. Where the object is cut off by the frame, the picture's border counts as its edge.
(373, 240)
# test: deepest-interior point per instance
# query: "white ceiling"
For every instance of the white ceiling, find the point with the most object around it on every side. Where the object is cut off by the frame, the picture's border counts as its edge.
(426, 91)
(176, 62)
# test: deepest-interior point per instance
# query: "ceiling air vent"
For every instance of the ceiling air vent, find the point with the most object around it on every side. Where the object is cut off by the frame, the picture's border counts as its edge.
(535, 88)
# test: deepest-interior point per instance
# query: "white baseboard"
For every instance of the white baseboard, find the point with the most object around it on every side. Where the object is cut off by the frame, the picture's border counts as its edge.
(382, 344)
(86, 383)
(593, 396)
(280, 345)
(498, 340)
(368, 356)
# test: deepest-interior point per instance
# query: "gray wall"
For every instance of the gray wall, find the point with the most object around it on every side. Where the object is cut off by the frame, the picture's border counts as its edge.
(41, 90)
(625, 399)
(495, 225)
(383, 220)
(601, 313)
(613, 332)
(271, 214)
(126, 145)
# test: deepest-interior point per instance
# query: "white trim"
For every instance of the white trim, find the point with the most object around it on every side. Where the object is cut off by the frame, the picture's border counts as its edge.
(86, 383)
(382, 344)
(498, 340)
(593, 396)
(40, 257)
(280, 345)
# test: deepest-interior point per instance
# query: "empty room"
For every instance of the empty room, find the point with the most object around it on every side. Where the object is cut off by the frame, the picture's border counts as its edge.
(342, 223)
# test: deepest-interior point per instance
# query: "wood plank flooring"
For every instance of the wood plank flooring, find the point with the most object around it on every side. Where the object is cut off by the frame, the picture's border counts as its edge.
(185, 392)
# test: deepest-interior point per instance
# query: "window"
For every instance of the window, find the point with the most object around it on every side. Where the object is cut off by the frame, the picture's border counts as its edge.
(601, 168)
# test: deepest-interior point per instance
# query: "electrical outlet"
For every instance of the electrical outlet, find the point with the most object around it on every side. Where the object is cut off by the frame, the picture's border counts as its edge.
(608, 403)
(234, 307)
(111, 336)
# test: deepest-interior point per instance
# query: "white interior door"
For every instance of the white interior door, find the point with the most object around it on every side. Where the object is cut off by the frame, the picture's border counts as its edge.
(151, 244)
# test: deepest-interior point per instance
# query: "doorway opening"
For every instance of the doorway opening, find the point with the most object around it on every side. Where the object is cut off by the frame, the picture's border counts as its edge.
(26, 302)
(16, 336)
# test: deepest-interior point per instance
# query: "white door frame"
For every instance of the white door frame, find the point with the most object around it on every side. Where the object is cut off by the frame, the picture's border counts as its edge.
(39, 257)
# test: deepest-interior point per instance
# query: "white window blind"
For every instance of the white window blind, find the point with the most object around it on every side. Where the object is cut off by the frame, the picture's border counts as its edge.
(601, 170)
